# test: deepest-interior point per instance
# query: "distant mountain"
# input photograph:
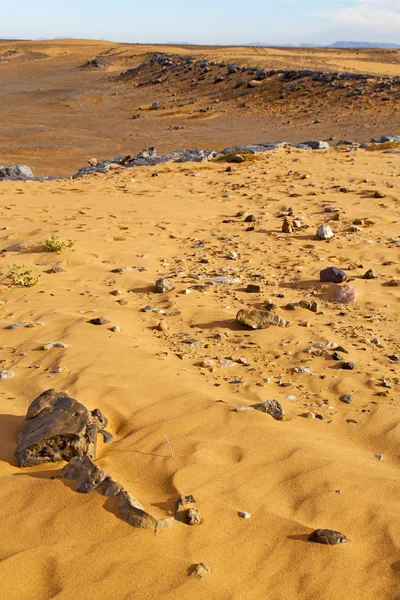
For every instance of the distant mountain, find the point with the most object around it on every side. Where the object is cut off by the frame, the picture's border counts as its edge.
(335, 45)
(363, 45)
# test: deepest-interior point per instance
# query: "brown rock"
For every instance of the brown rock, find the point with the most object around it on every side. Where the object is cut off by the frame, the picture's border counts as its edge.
(89, 476)
(163, 285)
(327, 536)
(370, 274)
(259, 319)
(162, 326)
(200, 571)
(193, 516)
(287, 226)
(272, 408)
(56, 428)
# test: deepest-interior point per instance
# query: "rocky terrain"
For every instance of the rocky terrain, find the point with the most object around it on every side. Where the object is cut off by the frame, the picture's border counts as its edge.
(199, 378)
(65, 101)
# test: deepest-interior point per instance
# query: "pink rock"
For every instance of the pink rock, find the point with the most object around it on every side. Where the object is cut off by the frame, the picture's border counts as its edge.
(346, 294)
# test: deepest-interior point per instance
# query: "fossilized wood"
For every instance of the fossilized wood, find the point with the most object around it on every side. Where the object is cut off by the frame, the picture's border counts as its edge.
(58, 427)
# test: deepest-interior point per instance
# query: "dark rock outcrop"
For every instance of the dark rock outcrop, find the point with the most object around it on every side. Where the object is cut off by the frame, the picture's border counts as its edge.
(58, 427)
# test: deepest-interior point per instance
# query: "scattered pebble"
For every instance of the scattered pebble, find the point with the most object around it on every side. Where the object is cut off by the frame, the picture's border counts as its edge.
(6, 374)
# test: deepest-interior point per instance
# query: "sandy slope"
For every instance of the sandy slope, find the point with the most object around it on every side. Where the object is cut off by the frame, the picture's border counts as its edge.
(57, 544)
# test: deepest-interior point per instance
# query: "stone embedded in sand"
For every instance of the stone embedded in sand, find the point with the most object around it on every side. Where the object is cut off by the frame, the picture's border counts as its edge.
(259, 319)
(253, 83)
(370, 274)
(287, 226)
(346, 398)
(163, 285)
(272, 408)
(200, 571)
(85, 472)
(252, 288)
(99, 321)
(378, 194)
(315, 145)
(236, 158)
(56, 428)
(324, 232)
(90, 476)
(346, 294)
(193, 516)
(327, 536)
(311, 305)
(162, 325)
(224, 280)
(133, 512)
(332, 274)
(348, 366)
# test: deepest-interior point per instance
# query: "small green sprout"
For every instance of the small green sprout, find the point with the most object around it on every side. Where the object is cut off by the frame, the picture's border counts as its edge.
(54, 244)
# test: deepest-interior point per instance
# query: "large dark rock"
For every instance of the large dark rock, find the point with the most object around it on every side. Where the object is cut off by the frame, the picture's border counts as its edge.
(332, 274)
(56, 428)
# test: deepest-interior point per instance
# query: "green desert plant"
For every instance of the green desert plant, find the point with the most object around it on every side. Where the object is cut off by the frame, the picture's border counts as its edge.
(54, 244)
(19, 275)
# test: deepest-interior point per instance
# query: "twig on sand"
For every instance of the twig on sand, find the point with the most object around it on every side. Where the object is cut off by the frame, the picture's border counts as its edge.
(169, 446)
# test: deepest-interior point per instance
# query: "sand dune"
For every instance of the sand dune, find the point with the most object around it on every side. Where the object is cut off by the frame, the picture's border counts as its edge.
(294, 475)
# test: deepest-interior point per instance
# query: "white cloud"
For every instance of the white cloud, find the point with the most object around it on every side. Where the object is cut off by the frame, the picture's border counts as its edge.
(377, 15)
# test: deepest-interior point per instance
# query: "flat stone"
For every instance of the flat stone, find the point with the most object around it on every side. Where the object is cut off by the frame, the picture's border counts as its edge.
(99, 321)
(259, 319)
(6, 374)
(328, 537)
(224, 280)
(315, 145)
(253, 289)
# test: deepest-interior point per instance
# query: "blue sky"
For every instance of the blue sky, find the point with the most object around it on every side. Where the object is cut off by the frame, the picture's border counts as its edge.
(204, 21)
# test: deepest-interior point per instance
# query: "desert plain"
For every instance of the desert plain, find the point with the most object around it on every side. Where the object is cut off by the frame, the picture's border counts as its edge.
(169, 369)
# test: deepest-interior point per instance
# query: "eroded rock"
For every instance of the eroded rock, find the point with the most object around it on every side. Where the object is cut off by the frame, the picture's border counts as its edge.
(58, 427)
(163, 285)
(259, 319)
(90, 476)
(272, 408)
